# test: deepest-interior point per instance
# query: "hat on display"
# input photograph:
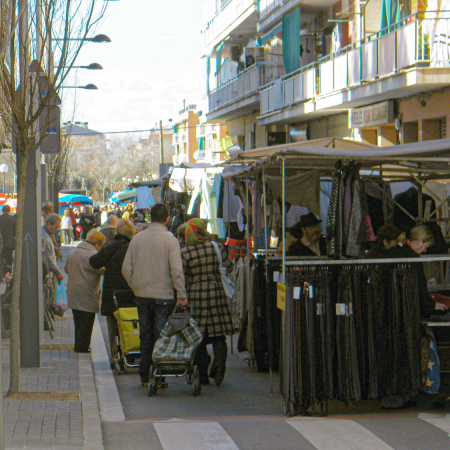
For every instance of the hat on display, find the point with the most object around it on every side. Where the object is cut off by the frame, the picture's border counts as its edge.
(308, 220)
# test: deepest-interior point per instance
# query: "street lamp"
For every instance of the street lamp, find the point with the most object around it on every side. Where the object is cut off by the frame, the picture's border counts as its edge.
(89, 87)
(98, 39)
(4, 169)
(93, 66)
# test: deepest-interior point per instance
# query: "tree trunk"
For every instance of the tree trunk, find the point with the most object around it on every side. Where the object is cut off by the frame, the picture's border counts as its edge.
(22, 165)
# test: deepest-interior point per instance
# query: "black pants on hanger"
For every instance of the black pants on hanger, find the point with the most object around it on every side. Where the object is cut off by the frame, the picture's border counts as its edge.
(84, 323)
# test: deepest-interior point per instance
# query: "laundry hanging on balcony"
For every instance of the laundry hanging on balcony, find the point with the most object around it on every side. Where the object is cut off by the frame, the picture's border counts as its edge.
(437, 27)
(392, 11)
(291, 40)
(219, 62)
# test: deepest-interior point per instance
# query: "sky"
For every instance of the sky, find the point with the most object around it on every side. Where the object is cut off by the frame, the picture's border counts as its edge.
(150, 66)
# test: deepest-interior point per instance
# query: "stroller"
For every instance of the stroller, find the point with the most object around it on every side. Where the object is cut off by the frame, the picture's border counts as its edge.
(174, 352)
(127, 332)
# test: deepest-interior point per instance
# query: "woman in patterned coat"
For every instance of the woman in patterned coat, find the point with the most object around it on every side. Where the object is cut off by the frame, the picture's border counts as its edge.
(207, 296)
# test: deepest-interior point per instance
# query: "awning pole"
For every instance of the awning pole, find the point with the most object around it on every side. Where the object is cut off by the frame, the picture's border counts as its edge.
(252, 361)
(229, 246)
(267, 262)
(283, 216)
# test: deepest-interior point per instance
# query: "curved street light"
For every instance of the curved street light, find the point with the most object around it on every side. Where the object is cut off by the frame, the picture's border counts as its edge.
(98, 39)
(89, 87)
(92, 66)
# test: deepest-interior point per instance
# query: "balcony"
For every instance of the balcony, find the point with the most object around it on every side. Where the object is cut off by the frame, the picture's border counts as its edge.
(393, 63)
(241, 94)
(235, 18)
(175, 139)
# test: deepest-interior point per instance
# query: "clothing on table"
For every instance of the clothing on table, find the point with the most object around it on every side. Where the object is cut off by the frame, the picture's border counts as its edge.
(153, 315)
(302, 189)
(84, 324)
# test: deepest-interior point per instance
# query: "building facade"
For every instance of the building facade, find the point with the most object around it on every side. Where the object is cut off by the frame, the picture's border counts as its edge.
(281, 71)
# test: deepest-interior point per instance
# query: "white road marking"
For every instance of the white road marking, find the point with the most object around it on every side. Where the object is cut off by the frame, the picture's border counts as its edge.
(194, 436)
(442, 422)
(336, 434)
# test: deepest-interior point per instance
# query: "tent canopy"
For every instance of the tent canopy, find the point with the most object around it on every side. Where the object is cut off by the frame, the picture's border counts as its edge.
(262, 152)
(425, 158)
(126, 195)
(75, 199)
(149, 183)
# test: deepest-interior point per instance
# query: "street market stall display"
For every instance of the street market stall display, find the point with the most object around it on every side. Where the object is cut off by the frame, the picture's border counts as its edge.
(337, 334)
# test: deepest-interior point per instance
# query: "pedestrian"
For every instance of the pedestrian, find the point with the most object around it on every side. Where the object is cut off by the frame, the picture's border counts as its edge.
(109, 228)
(47, 208)
(152, 268)
(8, 234)
(66, 226)
(74, 223)
(97, 216)
(111, 257)
(206, 294)
(141, 227)
(87, 221)
(104, 214)
(181, 232)
(83, 288)
(51, 226)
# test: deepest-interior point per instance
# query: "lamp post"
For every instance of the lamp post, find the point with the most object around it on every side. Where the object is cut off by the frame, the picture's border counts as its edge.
(98, 39)
(92, 66)
(89, 87)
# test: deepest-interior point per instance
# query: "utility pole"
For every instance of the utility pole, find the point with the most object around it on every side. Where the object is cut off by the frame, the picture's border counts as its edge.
(161, 143)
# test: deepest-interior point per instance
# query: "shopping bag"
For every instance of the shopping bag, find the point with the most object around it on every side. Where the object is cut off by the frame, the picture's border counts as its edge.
(228, 285)
(78, 229)
(60, 297)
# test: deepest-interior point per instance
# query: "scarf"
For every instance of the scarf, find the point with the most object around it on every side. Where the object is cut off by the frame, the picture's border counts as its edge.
(195, 232)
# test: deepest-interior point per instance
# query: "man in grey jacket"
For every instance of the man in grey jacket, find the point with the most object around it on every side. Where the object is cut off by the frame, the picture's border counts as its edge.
(109, 228)
(153, 268)
(51, 226)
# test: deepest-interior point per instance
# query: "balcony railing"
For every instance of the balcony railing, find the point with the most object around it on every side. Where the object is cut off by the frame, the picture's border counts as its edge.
(296, 87)
(246, 83)
(267, 6)
(420, 40)
(223, 18)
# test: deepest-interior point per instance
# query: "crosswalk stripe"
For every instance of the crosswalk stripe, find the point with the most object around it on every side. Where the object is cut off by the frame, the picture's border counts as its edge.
(440, 422)
(194, 436)
(336, 434)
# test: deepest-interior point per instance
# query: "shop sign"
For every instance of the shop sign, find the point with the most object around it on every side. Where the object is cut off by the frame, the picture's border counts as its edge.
(372, 115)
(281, 296)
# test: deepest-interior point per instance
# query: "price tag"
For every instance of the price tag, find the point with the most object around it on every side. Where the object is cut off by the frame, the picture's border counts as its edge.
(297, 293)
(320, 309)
(311, 291)
(341, 309)
(276, 276)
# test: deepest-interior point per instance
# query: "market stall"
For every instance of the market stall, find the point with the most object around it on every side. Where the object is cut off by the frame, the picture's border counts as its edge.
(329, 346)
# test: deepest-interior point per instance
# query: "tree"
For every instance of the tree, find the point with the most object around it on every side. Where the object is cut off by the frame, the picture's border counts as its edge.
(27, 32)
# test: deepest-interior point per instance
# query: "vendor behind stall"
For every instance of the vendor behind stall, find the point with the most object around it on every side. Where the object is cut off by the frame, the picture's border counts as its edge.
(388, 237)
(420, 239)
(311, 243)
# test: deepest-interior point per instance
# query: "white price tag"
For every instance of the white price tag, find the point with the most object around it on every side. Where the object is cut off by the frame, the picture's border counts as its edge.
(341, 309)
(297, 293)
(276, 276)
(319, 309)
(311, 291)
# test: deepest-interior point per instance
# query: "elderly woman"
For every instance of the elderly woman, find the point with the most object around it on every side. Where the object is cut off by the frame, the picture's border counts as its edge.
(83, 288)
(111, 257)
(206, 294)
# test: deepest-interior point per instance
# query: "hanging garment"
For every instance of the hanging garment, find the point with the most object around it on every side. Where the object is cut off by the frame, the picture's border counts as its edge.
(144, 198)
(215, 194)
(302, 190)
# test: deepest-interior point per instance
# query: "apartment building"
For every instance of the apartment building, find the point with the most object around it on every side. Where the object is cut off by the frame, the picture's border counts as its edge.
(287, 70)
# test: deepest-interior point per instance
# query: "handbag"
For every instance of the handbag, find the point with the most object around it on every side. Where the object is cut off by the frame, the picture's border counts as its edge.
(60, 297)
(228, 286)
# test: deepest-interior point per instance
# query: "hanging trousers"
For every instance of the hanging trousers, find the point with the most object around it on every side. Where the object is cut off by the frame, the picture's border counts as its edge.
(84, 323)
(202, 357)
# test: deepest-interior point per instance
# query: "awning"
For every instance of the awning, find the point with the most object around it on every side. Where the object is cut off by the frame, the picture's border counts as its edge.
(262, 152)
(126, 195)
(271, 34)
(75, 199)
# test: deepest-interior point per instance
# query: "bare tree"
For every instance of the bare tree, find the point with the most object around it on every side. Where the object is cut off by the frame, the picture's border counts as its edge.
(28, 88)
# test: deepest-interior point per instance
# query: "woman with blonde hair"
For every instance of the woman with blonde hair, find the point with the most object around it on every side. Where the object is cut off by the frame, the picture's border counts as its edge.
(83, 288)
(421, 238)
(111, 257)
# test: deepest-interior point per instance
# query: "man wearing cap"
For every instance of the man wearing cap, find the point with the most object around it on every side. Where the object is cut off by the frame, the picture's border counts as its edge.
(311, 243)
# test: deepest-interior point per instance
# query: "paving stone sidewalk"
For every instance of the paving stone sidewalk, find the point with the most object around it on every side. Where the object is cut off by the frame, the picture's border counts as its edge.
(57, 407)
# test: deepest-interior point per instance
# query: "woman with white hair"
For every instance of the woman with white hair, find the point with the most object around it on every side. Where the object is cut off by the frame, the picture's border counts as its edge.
(111, 257)
(83, 288)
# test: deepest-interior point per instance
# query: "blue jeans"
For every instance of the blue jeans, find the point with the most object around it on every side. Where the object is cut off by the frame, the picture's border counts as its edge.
(153, 314)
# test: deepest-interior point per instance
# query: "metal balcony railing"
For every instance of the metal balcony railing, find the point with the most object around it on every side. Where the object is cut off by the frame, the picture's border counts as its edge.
(420, 40)
(267, 6)
(223, 18)
(247, 82)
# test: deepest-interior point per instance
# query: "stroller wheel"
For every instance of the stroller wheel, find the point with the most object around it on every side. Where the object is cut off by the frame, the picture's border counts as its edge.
(196, 388)
(195, 372)
(117, 366)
